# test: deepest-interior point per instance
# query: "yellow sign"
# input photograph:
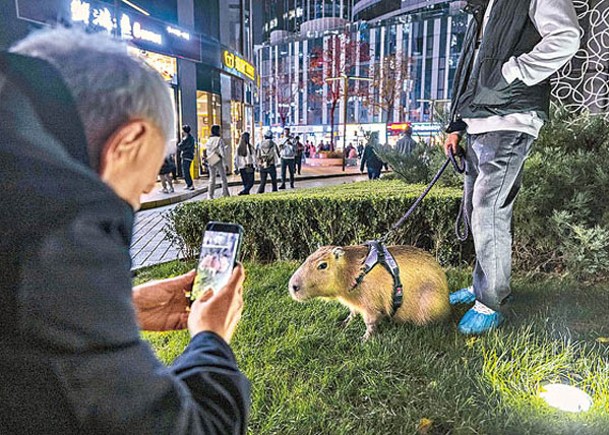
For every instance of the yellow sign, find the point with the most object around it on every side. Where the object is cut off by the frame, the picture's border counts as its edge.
(239, 64)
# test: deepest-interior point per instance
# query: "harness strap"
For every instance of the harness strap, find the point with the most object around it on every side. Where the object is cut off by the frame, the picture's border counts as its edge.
(379, 254)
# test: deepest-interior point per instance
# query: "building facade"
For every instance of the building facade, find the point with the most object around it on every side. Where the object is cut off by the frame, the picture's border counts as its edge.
(203, 49)
(399, 58)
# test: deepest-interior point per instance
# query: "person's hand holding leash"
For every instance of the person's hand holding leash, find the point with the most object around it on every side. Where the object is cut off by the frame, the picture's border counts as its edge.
(452, 143)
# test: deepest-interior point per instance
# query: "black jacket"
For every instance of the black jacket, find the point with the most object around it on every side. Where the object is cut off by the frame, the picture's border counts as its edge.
(187, 147)
(370, 159)
(71, 359)
(479, 89)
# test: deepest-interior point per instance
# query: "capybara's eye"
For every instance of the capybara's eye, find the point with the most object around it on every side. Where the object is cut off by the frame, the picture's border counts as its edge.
(322, 266)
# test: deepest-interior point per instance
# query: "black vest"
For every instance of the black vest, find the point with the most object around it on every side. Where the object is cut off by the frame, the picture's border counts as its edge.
(479, 89)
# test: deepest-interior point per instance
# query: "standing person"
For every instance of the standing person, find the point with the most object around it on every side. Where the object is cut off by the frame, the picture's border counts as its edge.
(307, 150)
(406, 144)
(267, 155)
(187, 148)
(72, 358)
(165, 173)
(287, 152)
(370, 159)
(360, 150)
(245, 163)
(501, 99)
(300, 149)
(216, 160)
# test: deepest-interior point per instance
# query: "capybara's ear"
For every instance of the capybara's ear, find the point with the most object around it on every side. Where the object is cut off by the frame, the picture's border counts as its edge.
(338, 252)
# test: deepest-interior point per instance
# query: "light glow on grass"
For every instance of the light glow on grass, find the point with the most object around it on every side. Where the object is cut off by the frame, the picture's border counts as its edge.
(566, 398)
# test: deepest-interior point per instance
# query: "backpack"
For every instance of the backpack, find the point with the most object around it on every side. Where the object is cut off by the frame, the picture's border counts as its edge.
(266, 153)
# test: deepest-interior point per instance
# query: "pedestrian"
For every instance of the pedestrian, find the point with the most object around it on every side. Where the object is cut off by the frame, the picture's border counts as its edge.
(406, 144)
(267, 155)
(307, 150)
(287, 152)
(72, 358)
(187, 149)
(216, 161)
(360, 150)
(165, 174)
(300, 148)
(245, 163)
(501, 99)
(369, 159)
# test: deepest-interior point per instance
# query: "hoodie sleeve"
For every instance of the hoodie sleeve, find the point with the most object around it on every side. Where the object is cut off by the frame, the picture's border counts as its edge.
(556, 22)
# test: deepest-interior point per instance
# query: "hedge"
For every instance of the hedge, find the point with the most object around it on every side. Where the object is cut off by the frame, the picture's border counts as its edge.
(290, 225)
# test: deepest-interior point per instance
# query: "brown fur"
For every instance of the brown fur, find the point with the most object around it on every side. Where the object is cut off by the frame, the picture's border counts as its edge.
(424, 282)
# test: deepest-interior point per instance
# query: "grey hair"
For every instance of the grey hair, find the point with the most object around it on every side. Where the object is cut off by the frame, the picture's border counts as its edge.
(109, 86)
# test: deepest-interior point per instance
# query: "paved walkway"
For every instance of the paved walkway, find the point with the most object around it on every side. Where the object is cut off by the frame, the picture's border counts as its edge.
(149, 245)
(157, 198)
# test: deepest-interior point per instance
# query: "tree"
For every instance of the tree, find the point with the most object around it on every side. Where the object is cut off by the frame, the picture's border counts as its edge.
(282, 86)
(338, 57)
(389, 76)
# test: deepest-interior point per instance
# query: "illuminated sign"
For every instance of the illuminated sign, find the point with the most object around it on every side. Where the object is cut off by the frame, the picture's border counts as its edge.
(399, 126)
(142, 31)
(146, 35)
(238, 64)
(179, 33)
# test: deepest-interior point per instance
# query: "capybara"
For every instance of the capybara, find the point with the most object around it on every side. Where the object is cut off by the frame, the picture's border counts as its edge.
(331, 272)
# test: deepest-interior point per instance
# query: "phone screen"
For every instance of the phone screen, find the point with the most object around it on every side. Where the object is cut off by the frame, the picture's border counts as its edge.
(218, 256)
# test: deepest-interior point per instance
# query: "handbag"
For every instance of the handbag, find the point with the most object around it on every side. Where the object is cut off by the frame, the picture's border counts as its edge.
(213, 159)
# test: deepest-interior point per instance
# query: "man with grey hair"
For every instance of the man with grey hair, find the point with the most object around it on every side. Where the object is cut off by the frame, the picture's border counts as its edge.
(83, 134)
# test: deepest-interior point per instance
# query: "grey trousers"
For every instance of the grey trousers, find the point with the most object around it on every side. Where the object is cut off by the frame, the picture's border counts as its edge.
(217, 168)
(493, 175)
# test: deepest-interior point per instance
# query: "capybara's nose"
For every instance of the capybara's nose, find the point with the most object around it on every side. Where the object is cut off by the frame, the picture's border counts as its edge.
(295, 288)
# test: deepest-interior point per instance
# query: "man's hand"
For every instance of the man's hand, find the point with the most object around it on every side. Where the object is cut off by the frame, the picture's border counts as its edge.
(162, 305)
(452, 143)
(219, 312)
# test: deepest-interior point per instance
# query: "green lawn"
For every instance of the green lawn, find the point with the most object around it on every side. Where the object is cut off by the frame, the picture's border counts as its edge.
(310, 377)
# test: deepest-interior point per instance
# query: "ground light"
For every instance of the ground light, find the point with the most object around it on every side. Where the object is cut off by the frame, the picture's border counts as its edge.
(565, 397)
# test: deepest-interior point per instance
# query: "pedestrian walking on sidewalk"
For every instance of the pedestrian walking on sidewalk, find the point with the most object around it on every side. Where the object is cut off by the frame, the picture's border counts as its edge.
(267, 155)
(244, 162)
(300, 148)
(287, 151)
(372, 162)
(501, 98)
(187, 148)
(216, 160)
(165, 173)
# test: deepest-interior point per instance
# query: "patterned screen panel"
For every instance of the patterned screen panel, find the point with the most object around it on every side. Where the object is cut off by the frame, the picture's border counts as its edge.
(584, 82)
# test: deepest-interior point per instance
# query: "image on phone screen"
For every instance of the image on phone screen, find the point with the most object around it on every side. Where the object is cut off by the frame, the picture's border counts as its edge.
(218, 255)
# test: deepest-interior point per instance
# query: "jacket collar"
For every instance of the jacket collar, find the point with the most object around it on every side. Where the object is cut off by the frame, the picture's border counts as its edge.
(51, 100)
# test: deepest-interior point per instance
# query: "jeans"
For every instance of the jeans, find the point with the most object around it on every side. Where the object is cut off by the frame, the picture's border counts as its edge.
(264, 172)
(493, 176)
(247, 178)
(186, 172)
(374, 173)
(213, 169)
(299, 164)
(290, 164)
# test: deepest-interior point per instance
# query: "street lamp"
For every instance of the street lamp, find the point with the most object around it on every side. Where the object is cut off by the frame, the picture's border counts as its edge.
(345, 78)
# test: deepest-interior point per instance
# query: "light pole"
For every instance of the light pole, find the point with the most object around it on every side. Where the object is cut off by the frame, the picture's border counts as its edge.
(345, 78)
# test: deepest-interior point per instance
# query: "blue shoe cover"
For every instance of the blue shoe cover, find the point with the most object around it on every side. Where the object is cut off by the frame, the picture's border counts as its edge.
(480, 319)
(464, 296)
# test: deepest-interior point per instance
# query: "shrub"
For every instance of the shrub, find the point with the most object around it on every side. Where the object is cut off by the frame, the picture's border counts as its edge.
(562, 214)
(291, 225)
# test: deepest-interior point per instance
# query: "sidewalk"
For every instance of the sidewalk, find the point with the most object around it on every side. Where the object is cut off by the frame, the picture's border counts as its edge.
(157, 198)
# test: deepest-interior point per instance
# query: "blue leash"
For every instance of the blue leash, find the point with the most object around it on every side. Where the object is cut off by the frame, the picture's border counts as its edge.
(459, 168)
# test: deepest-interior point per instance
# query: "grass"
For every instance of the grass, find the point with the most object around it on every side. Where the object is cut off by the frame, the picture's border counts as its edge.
(310, 377)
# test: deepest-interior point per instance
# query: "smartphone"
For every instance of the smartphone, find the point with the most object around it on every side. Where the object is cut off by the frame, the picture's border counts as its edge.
(219, 255)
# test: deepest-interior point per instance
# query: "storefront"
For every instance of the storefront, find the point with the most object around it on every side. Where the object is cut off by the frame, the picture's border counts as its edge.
(158, 43)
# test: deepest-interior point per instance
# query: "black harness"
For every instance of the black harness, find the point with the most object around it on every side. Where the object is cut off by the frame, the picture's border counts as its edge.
(379, 254)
